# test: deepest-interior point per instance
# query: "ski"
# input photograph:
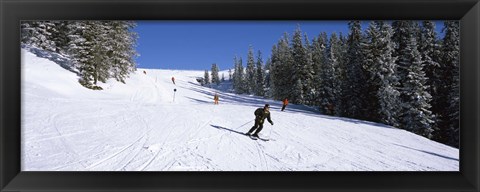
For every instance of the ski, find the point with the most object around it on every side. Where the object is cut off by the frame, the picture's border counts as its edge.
(257, 138)
(264, 139)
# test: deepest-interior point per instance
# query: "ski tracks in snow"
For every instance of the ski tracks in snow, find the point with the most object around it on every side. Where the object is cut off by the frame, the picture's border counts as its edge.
(157, 152)
(261, 155)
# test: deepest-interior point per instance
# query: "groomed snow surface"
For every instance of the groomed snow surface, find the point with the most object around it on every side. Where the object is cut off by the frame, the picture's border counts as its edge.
(138, 126)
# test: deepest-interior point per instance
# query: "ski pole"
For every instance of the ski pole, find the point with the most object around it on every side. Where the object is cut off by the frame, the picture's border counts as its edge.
(244, 124)
(270, 133)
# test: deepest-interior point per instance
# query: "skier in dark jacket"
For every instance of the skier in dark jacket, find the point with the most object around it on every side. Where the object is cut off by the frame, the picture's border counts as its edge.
(260, 115)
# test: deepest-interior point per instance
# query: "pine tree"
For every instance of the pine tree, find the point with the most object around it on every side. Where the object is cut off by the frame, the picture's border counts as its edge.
(103, 46)
(415, 100)
(121, 53)
(451, 63)
(239, 76)
(353, 87)
(235, 79)
(308, 87)
(250, 76)
(340, 76)
(301, 68)
(260, 76)
(99, 50)
(206, 78)
(274, 73)
(81, 49)
(281, 76)
(429, 47)
(319, 60)
(327, 90)
(371, 51)
(382, 73)
(267, 83)
(39, 34)
(215, 76)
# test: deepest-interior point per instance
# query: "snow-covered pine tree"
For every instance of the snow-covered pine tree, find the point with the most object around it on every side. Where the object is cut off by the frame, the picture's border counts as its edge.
(98, 49)
(81, 48)
(297, 89)
(327, 90)
(382, 70)
(239, 76)
(235, 81)
(415, 99)
(260, 76)
(27, 31)
(122, 52)
(429, 47)
(308, 88)
(206, 78)
(371, 52)
(282, 70)
(267, 82)
(103, 46)
(60, 36)
(353, 88)
(243, 79)
(451, 62)
(39, 34)
(273, 73)
(340, 73)
(319, 59)
(250, 77)
(215, 76)
(301, 69)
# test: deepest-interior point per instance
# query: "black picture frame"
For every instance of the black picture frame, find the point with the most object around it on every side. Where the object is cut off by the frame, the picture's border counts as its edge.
(13, 11)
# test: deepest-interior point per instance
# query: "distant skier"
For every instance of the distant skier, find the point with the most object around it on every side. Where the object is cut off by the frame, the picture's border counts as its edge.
(260, 115)
(285, 103)
(173, 80)
(144, 72)
(216, 98)
(330, 109)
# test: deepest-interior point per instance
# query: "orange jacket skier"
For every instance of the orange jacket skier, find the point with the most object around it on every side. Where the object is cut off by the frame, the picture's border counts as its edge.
(216, 98)
(285, 103)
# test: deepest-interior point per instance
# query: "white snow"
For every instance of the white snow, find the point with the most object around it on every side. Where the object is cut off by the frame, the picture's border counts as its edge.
(138, 127)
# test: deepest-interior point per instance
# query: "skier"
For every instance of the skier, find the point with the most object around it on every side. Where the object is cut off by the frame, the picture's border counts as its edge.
(285, 103)
(144, 72)
(173, 80)
(330, 109)
(260, 115)
(216, 98)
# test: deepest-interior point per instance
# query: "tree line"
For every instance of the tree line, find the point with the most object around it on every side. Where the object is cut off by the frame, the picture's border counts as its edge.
(99, 50)
(398, 73)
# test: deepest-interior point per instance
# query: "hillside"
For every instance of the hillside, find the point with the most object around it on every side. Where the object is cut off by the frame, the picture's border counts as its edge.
(144, 125)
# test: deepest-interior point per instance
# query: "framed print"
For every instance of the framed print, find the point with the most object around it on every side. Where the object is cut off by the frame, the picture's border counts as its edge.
(342, 95)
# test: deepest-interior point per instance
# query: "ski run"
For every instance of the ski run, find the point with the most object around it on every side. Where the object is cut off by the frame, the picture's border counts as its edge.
(144, 125)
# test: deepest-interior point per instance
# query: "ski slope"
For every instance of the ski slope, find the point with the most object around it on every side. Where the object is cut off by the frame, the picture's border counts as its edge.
(138, 126)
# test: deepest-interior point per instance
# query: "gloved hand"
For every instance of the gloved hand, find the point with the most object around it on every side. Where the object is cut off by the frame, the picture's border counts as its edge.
(271, 123)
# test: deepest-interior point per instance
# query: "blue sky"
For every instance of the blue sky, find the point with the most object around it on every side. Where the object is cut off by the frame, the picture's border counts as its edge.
(196, 45)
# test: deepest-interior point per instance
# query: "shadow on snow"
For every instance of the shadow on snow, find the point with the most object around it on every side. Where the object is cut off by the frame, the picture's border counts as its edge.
(257, 102)
(227, 129)
(430, 153)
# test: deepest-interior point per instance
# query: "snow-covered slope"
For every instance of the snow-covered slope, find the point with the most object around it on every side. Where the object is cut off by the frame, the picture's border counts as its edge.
(144, 125)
